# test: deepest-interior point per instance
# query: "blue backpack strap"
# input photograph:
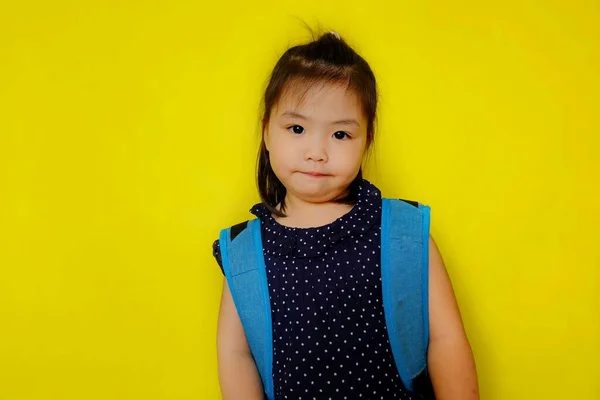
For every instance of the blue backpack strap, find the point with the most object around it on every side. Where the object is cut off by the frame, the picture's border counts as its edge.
(405, 283)
(244, 267)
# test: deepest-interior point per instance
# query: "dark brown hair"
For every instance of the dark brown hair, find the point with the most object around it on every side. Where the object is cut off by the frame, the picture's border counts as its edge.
(324, 60)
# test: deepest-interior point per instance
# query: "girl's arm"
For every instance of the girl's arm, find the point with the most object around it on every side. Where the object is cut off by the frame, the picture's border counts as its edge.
(450, 359)
(238, 376)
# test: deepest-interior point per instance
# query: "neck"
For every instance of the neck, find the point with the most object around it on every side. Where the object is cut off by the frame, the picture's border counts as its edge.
(306, 214)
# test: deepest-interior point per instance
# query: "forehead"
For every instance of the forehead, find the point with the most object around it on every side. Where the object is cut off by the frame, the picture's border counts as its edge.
(328, 100)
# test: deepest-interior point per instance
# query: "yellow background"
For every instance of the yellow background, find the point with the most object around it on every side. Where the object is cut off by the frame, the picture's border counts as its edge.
(128, 132)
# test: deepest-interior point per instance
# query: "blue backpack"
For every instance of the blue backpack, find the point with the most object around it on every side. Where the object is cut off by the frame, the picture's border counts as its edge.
(404, 276)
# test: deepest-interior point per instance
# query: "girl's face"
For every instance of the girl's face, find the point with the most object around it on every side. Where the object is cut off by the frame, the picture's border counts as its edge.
(316, 143)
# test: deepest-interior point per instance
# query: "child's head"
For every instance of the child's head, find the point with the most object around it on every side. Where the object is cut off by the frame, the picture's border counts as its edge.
(319, 115)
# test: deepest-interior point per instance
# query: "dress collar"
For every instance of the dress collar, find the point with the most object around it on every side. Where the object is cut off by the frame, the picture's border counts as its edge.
(312, 242)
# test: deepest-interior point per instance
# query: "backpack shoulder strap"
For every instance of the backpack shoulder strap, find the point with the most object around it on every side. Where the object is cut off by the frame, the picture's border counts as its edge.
(405, 282)
(244, 267)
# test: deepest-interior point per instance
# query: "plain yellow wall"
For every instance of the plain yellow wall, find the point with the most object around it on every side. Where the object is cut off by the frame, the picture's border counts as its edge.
(128, 132)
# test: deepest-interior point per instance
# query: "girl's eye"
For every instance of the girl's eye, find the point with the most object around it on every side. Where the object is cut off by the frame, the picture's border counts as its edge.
(341, 135)
(297, 129)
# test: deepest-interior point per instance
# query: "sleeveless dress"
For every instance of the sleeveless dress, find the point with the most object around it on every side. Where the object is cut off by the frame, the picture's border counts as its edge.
(330, 339)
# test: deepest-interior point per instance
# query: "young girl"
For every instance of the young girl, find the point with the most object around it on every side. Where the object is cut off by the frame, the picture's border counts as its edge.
(326, 324)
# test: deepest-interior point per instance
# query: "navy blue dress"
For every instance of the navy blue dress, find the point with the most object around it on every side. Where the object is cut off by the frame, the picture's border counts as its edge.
(329, 331)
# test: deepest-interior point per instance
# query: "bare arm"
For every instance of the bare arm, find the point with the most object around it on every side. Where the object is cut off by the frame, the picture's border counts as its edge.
(450, 359)
(238, 376)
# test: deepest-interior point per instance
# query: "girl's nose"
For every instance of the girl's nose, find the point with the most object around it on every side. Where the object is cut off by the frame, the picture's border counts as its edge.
(316, 154)
(316, 150)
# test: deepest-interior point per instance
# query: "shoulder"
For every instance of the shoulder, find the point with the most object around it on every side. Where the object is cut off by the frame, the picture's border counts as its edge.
(233, 231)
(259, 212)
(404, 203)
(216, 247)
(236, 229)
(413, 203)
(401, 210)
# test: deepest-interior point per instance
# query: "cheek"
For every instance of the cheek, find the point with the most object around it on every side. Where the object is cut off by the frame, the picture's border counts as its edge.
(353, 155)
(362, 152)
(279, 154)
(284, 146)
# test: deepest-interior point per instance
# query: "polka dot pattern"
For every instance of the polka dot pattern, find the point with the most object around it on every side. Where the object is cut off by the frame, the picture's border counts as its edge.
(329, 335)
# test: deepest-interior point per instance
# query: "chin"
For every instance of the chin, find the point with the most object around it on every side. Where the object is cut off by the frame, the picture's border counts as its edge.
(317, 190)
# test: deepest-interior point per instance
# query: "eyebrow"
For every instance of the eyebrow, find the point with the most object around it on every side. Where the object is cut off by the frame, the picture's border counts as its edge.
(348, 121)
